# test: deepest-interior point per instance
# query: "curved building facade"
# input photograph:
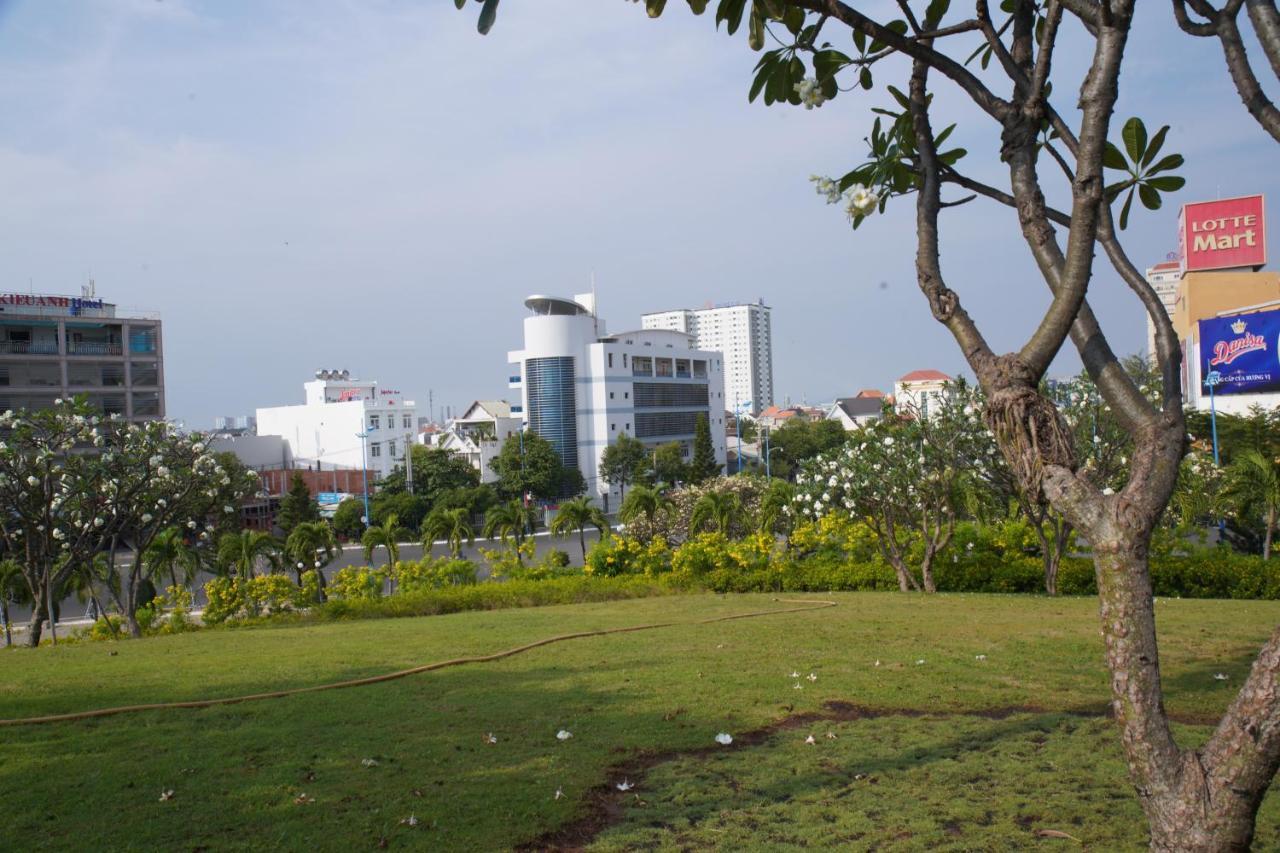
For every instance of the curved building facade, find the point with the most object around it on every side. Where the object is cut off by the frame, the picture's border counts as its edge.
(582, 388)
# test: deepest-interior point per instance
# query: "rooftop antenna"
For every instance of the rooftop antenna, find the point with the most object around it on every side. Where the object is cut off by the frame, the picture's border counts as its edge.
(595, 306)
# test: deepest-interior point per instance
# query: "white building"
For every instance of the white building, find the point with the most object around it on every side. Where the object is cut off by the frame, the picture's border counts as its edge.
(1164, 279)
(581, 388)
(325, 431)
(855, 412)
(742, 332)
(920, 392)
(479, 434)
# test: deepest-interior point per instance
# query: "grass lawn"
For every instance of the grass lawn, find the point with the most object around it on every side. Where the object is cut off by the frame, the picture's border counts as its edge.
(954, 753)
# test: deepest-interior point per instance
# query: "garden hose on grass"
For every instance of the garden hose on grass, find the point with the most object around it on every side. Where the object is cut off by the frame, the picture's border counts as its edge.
(809, 604)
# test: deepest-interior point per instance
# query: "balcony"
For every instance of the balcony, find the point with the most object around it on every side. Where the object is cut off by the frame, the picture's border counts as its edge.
(28, 347)
(94, 348)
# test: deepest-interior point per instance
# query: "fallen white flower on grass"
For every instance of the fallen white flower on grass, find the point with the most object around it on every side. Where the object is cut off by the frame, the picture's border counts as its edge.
(812, 677)
(489, 738)
(564, 734)
(724, 739)
(369, 762)
(979, 657)
(166, 795)
(411, 820)
(624, 785)
(797, 686)
(559, 793)
(831, 735)
(877, 663)
(794, 674)
(810, 740)
(303, 799)
(1220, 676)
(920, 662)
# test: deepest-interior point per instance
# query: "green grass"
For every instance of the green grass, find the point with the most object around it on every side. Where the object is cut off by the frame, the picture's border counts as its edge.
(648, 703)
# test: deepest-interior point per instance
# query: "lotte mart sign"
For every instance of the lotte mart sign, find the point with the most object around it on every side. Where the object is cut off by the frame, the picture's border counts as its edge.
(1215, 235)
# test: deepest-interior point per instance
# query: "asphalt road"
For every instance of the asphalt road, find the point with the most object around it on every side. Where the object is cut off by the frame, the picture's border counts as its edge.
(72, 612)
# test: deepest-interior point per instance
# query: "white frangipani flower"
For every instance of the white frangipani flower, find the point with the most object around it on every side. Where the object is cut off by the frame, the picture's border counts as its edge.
(564, 734)
(810, 93)
(724, 738)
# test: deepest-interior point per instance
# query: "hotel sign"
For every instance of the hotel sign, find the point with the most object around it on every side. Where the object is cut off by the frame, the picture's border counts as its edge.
(1215, 235)
(1241, 352)
(73, 305)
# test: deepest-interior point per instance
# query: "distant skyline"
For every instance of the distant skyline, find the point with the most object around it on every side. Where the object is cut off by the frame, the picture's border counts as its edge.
(373, 186)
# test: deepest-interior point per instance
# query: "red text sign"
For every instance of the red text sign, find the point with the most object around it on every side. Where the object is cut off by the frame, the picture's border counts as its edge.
(1215, 235)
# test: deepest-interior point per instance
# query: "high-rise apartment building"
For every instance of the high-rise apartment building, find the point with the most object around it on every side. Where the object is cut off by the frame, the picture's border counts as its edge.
(581, 388)
(1164, 279)
(742, 333)
(64, 346)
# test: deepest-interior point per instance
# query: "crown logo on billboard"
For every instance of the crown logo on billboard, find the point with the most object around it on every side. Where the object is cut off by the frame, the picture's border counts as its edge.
(1238, 327)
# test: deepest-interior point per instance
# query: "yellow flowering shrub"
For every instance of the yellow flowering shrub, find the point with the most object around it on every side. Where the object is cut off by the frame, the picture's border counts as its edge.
(624, 555)
(357, 582)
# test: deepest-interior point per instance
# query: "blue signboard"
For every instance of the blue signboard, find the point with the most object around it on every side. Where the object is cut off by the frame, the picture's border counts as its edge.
(1241, 354)
(331, 497)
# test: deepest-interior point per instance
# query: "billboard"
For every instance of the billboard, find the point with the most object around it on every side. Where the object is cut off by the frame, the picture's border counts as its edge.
(1238, 355)
(1215, 235)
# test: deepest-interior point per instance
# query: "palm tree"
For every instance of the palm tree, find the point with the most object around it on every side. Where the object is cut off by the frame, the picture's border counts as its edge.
(506, 521)
(451, 525)
(13, 588)
(577, 514)
(384, 535)
(717, 510)
(242, 552)
(1253, 482)
(170, 552)
(312, 542)
(773, 506)
(645, 501)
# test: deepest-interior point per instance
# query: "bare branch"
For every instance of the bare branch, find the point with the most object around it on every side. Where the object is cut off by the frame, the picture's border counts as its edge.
(943, 301)
(1266, 25)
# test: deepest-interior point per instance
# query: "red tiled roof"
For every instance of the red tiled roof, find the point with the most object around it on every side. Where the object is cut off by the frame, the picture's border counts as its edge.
(870, 392)
(925, 376)
(1166, 265)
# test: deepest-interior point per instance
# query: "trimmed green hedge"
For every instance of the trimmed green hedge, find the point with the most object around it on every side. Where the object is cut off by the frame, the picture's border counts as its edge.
(1207, 573)
(495, 596)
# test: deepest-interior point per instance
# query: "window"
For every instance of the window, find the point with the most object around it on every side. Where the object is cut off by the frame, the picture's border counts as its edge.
(375, 450)
(391, 449)
(407, 422)
(624, 359)
(611, 360)
(626, 395)
(613, 427)
(664, 367)
(642, 366)
(699, 369)
(610, 395)
(375, 421)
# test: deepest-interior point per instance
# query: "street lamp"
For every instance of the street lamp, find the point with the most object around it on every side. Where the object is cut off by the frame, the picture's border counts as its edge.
(363, 435)
(1213, 380)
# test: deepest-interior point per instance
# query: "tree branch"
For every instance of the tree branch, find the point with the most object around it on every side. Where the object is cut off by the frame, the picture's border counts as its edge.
(916, 49)
(943, 301)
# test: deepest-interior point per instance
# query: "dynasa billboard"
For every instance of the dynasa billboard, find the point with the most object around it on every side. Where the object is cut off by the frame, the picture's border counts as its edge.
(1216, 235)
(1238, 354)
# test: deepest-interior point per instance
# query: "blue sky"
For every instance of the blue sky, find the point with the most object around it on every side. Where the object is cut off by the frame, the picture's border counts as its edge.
(372, 185)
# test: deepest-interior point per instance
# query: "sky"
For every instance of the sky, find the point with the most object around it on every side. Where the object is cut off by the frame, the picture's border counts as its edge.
(371, 185)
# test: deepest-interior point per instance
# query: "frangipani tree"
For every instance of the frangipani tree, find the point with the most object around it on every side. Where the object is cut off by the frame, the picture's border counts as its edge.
(1002, 64)
(77, 484)
(906, 476)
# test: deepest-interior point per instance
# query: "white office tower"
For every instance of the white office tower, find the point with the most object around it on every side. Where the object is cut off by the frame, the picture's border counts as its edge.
(1164, 278)
(742, 332)
(325, 431)
(581, 388)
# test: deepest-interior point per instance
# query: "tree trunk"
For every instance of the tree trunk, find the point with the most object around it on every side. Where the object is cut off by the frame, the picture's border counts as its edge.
(4, 615)
(926, 571)
(35, 625)
(582, 541)
(131, 609)
(1195, 800)
(49, 606)
(1271, 526)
